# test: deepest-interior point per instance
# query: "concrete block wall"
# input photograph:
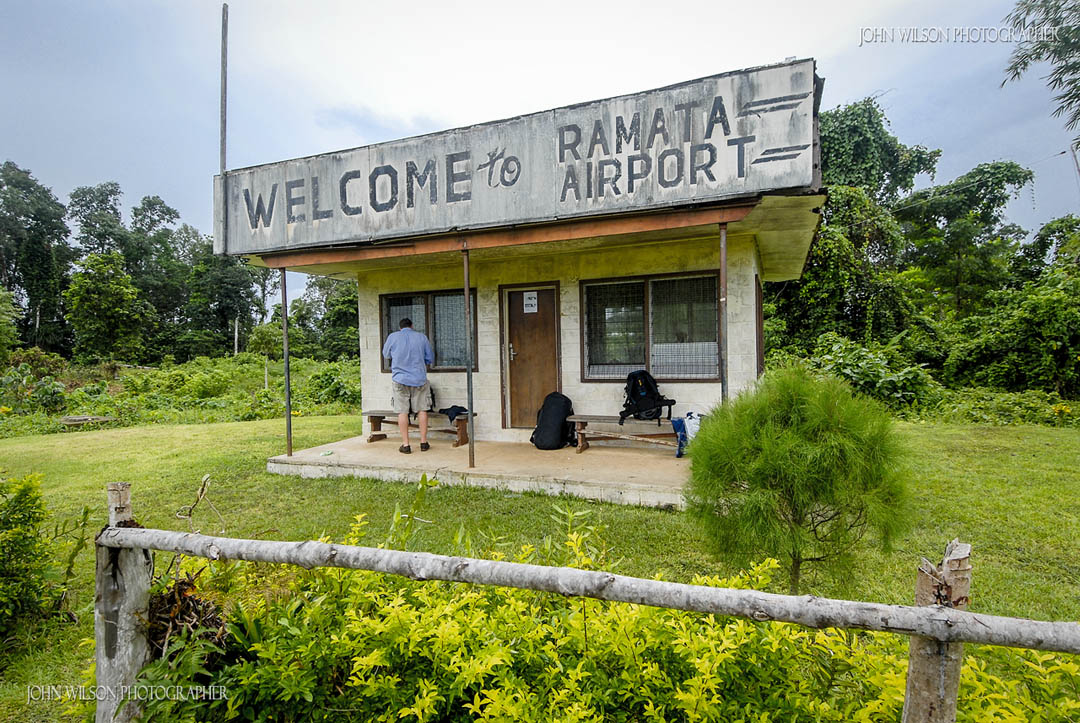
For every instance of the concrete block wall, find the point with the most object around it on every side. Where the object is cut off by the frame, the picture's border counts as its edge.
(568, 268)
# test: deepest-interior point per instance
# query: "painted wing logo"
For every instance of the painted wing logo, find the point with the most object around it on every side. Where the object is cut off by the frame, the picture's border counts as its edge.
(770, 105)
(780, 154)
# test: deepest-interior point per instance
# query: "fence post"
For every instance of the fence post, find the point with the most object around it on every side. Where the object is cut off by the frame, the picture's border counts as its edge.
(121, 608)
(933, 677)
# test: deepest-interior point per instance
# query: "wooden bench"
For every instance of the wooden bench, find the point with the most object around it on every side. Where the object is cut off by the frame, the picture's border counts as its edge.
(459, 427)
(581, 424)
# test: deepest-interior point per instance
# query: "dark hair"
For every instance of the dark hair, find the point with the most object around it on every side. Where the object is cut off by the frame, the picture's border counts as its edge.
(406, 322)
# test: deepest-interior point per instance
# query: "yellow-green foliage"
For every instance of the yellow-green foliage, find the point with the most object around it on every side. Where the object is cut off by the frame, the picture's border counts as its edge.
(338, 645)
(24, 552)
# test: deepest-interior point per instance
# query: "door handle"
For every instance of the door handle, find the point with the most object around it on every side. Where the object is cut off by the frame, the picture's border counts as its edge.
(512, 352)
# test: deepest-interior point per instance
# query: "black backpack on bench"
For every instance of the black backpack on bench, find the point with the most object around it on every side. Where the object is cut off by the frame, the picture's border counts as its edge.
(552, 430)
(643, 398)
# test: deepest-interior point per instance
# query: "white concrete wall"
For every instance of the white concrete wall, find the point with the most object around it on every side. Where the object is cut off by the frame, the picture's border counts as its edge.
(568, 268)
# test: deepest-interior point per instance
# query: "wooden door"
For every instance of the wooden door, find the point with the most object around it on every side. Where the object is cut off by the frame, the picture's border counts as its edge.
(532, 364)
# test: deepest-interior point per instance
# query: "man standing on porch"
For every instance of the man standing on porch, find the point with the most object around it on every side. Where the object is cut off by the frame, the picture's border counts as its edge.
(410, 353)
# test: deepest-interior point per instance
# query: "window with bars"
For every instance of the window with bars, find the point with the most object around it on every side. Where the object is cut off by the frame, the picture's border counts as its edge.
(440, 315)
(667, 325)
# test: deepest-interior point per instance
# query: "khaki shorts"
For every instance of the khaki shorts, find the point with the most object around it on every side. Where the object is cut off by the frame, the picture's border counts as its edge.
(412, 399)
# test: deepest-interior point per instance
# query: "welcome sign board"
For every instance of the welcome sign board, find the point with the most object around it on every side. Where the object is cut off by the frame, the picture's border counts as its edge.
(725, 136)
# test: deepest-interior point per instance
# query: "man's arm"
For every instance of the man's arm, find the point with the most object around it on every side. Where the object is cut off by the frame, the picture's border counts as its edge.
(386, 350)
(429, 355)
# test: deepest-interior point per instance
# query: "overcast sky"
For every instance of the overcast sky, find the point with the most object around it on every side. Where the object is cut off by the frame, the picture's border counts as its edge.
(128, 91)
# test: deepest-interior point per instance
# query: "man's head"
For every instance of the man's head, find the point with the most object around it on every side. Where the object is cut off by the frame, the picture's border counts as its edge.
(405, 323)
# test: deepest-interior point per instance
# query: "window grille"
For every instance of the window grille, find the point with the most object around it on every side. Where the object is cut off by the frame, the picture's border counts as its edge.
(682, 315)
(440, 315)
(683, 324)
(614, 329)
(448, 329)
(405, 307)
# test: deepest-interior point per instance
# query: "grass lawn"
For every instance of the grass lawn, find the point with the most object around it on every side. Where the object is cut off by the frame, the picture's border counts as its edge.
(1012, 492)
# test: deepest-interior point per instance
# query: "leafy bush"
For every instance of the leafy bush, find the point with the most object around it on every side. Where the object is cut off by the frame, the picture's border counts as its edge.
(22, 392)
(41, 363)
(800, 468)
(203, 385)
(984, 406)
(1029, 340)
(339, 645)
(332, 383)
(875, 370)
(24, 552)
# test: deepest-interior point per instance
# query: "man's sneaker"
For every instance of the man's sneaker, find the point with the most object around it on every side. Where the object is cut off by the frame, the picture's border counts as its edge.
(405, 449)
(424, 446)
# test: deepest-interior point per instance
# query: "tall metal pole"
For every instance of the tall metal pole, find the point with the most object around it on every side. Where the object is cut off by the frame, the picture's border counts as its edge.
(224, 75)
(1076, 164)
(723, 314)
(468, 355)
(285, 354)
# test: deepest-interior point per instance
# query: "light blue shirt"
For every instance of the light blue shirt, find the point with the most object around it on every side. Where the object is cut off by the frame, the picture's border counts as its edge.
(409, 353)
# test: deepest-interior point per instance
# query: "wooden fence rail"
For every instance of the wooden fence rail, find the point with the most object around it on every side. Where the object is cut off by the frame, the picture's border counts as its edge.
(936, 663)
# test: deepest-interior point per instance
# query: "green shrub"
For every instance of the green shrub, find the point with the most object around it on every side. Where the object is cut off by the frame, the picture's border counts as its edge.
(797, 468)
(203, 385)
(1030, 339)
(41, 363)
(24, 552)
(984, 406)
(332, 383)
(22, 392)
(875, 371)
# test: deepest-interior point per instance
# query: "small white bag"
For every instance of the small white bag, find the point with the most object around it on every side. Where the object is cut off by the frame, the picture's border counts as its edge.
(693, 422)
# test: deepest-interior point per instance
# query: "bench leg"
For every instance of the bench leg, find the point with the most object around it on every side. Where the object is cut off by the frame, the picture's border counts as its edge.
(376, 427)
(582, 439)
(461, 424)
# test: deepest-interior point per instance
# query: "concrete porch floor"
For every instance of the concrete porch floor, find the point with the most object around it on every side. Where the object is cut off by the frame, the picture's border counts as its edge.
(647, 476)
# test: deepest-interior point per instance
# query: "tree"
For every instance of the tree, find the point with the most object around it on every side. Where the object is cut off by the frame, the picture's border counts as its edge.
(1029, 339)
(334, 304)
(220, 295)
(958, 242)
(266, 281)
(858, 150)
(8, 335)
(850, 285)
(105, 310)
(1050, 31)
(96, 210)
(799, 468)
(265, 339)
(1061, 239)
(154, 263)
(34, 257)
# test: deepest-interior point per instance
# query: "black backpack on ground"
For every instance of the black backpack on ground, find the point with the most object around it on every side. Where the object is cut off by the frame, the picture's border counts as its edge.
(552, 430)
(643, 398)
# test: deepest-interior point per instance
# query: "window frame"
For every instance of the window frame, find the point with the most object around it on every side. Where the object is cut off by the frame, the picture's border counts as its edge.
(646, 279)
(429, 326)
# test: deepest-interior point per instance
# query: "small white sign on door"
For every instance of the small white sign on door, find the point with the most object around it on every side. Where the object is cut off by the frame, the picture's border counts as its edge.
(531, 304)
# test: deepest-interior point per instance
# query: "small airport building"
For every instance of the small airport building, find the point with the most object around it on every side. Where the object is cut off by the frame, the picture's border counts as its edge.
(598, 239)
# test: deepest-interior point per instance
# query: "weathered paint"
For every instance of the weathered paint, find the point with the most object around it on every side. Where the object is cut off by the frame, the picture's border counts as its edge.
(726, 136)
(569, 268)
